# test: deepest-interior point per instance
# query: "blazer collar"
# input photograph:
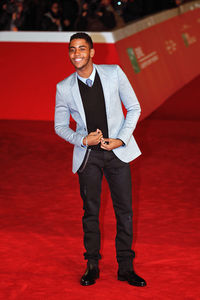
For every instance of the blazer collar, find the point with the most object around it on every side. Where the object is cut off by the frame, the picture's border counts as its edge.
(105, 81)
(77, 96)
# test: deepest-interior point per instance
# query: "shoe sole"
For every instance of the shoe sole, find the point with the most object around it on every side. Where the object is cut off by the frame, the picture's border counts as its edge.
(122, 278)
(86, 283)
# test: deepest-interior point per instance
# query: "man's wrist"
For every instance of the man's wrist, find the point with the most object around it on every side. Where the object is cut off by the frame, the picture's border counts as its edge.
(83, 144)
(122, 143)
(85, 141)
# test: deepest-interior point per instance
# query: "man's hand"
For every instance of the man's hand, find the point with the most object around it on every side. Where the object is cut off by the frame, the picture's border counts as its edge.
(110, 144)
(94, 138)
(57, 21)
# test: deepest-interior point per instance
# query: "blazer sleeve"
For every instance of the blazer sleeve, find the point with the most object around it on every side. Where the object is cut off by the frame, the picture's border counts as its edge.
(130, 101)
(62, 120)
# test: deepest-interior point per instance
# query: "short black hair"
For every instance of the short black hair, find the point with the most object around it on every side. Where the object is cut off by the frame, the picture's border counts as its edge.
(84, 36)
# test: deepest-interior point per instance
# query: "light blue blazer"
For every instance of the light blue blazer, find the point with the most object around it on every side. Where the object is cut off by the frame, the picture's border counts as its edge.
(116, 88)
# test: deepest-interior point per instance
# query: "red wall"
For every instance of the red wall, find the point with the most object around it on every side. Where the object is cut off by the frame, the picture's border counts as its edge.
(175, 49)
(167, 57)
(29, 73)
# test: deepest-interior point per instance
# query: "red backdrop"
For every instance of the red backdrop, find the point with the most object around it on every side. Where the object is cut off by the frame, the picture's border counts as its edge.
(158, 61)
(162, 58)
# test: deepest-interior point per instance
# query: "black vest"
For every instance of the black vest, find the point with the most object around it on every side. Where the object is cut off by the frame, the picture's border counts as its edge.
(94, 106)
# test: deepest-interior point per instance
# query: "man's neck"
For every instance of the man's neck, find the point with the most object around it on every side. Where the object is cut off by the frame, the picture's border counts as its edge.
(85, 73)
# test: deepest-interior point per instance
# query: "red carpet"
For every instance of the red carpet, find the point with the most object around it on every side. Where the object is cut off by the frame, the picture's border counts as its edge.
(40, 229)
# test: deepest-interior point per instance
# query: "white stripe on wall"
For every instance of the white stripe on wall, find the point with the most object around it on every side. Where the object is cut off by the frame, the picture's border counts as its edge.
(51, 37)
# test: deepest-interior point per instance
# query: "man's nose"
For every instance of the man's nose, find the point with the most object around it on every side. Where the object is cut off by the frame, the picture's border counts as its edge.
(77, 52)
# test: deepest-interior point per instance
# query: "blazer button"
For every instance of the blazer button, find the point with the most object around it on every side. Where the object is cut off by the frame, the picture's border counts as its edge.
(85, 129)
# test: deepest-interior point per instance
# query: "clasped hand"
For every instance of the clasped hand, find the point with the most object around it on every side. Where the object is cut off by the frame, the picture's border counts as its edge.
(96, 137)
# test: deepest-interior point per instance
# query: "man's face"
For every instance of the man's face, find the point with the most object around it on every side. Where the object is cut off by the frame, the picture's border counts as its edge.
(105, 2)
(80, 54)
(55, 8)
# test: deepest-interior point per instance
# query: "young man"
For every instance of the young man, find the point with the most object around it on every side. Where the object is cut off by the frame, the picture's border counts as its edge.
(103, 144)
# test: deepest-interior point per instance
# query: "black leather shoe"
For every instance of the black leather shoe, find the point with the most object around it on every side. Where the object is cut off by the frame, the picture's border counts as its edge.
(90, 276)
(132, 278)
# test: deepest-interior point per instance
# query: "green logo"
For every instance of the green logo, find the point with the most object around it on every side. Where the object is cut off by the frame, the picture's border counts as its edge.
(185, 39)
(133, 60)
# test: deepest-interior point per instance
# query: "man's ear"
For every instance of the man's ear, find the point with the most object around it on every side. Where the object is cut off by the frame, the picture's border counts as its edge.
(92, 52)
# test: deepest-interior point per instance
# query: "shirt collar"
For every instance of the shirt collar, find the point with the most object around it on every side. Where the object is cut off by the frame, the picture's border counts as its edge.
(92, 76)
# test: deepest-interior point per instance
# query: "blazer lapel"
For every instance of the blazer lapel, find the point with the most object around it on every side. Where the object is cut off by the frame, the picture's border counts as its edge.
(105, 81)
(77, 97)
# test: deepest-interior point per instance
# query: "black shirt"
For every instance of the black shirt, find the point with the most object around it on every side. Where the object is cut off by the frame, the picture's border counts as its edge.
(94, 106)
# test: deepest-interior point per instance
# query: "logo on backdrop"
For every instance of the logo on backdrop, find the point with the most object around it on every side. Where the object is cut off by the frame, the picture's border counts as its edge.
(170, 46)
(187, 34)
(140, 60)
(188, 39)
